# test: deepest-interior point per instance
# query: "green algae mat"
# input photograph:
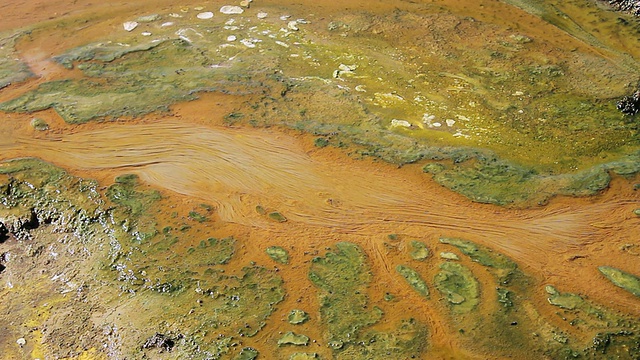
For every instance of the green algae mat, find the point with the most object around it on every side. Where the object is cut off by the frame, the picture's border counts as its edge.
(507, 116)
(111, 254)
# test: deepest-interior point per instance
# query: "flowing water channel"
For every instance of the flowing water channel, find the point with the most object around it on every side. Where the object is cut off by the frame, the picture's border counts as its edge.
(234, 164)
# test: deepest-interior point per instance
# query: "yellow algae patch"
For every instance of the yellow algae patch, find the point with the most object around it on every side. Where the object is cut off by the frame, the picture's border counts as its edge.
(91, 354)
(39, 316)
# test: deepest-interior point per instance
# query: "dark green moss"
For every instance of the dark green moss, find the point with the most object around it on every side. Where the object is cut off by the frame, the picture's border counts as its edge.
(194, 215)
(614, 345)
(125, 193)
(168, 288)
(408, 340)
(321, 142)
(278, 254)
(433, 168)
(207, 207)
(120, 83)
(303, 356)
(12, 70)
(276, 216)
(492, 182)
(39, 124)
(247, 353)
(291, 338)
(588, 182)
(456, 282)
(419, 251)
(297, 316)
(127, 179)
(134, 205)
(504, 297)
(214, 251)
(503, 266)
(414, 280)
(100, 52)
(587, 315)
(343, 277)
(627, 281)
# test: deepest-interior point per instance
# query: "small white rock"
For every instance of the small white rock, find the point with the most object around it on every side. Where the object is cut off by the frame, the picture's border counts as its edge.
(293, 25)
(282, 43)
(460, 134)
(436, 124)
(262, 15)
(21, 342)
(130, 25)
(175, 15)
(146, 33)
(205, 15)
(248, 43)
(347, 68)
(360, 88)
(231, 38)
(285, 17)
(428, 118)
(182, 34)
(450, 122)
(231, 10)
(168, 23)
(245, 3)
(403, 123)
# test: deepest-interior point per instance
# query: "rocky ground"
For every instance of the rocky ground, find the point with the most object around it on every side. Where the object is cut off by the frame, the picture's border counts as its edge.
(630, 6)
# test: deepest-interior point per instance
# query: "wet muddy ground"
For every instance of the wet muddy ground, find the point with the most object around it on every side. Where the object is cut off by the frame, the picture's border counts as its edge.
(386, 180)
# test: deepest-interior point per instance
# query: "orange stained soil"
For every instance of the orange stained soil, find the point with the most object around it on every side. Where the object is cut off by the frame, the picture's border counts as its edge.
(326, 196)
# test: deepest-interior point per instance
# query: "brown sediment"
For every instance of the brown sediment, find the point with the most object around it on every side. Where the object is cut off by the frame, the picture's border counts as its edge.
(326, 196)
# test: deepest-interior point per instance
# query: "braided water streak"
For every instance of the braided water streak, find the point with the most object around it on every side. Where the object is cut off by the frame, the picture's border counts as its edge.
(241, 168)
